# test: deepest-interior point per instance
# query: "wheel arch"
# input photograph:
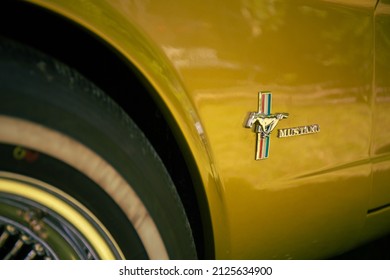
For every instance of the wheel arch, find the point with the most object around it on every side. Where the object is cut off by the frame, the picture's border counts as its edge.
(171, 123)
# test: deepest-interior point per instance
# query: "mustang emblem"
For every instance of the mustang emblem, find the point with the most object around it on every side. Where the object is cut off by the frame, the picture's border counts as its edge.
(263, 122)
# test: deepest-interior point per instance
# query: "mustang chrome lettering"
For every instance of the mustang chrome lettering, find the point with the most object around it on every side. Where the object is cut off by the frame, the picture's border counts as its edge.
(263, 123)
(300, 130)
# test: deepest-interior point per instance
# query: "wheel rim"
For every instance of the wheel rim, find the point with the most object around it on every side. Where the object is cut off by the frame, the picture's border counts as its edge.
(38, 221)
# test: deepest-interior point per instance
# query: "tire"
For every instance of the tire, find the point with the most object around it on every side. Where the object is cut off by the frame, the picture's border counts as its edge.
(78, 179)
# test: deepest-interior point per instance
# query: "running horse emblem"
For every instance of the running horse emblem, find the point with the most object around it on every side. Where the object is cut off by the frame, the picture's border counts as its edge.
(263, 123)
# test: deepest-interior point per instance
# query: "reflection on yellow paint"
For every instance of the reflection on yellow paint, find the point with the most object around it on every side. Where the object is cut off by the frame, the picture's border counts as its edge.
(316, 57)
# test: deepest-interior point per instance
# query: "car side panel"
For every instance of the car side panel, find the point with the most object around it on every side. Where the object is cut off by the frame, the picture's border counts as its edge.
(208, 60)
(381, 122)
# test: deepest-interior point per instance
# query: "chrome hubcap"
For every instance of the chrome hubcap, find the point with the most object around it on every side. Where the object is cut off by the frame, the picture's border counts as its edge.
(23, 245)
(38, 221)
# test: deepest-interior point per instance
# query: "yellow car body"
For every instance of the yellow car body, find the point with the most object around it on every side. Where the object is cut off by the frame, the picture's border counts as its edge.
(325, 62)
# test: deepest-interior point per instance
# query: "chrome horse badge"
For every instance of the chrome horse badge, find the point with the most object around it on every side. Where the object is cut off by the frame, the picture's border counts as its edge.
(263, 123)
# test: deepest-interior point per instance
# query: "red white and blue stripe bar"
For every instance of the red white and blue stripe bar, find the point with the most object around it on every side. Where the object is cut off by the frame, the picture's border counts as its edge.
(262, 144)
